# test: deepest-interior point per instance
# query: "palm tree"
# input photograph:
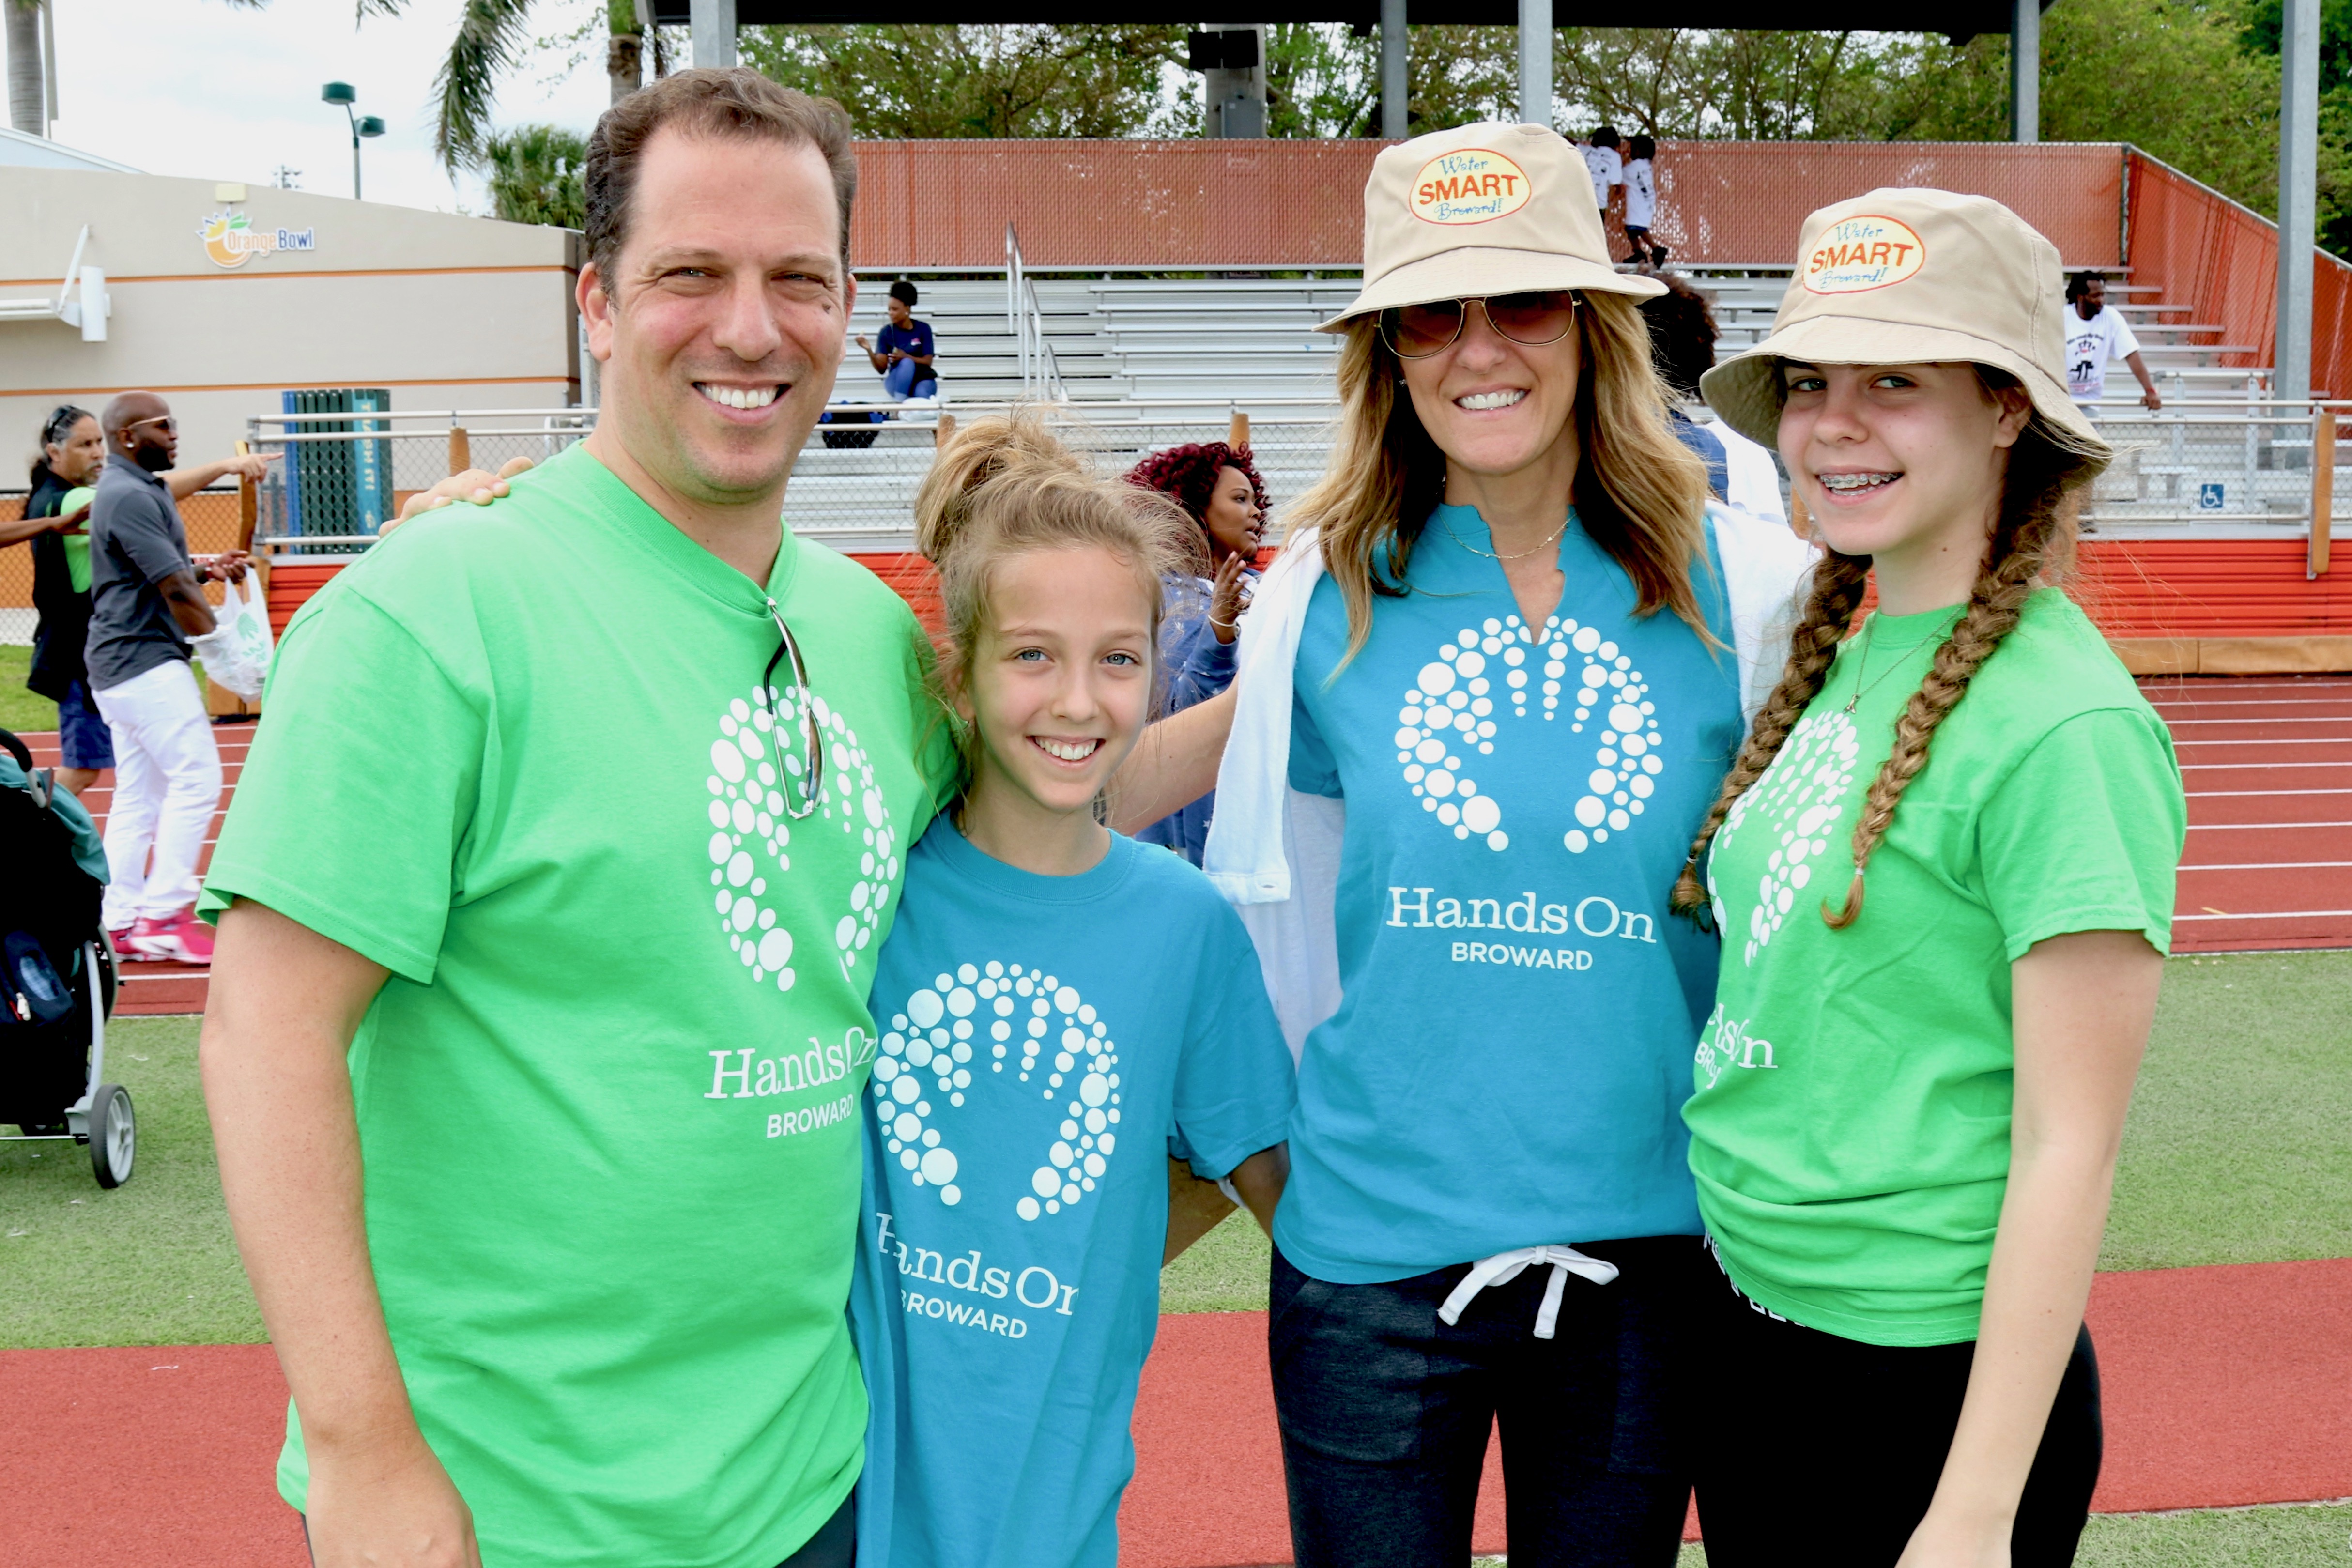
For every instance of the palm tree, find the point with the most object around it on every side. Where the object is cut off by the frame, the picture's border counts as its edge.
(492, 38)
(535, 175)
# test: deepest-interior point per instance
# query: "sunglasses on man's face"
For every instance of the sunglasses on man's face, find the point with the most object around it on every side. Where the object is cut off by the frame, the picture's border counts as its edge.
(1530, 320)
(170, 425)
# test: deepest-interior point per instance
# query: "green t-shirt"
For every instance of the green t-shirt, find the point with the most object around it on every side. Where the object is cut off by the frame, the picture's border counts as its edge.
(1849, 1127)
(608, 1099)
(77, 544)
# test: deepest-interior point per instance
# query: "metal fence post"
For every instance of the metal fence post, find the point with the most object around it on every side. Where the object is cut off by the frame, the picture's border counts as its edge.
(2323, 489)
(1395, 89)
(2299, 45)
(461, 450)
(1535, 62)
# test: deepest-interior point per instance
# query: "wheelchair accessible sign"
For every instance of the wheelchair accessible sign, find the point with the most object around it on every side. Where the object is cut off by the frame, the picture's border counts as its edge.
(2212, 496)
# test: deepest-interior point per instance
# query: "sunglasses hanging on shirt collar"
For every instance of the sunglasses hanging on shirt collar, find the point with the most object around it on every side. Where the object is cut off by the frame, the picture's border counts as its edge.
(785, 710)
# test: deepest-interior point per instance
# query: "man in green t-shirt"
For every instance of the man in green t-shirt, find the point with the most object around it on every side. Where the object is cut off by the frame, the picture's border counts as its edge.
(549, 910)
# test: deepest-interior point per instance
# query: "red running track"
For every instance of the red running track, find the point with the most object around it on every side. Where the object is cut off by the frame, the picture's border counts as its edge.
(2267, 760)
(2223, 1386)
(149, 987)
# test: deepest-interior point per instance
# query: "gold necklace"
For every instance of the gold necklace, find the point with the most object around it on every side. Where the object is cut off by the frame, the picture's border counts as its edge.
(1514, 555)
(1862, 661)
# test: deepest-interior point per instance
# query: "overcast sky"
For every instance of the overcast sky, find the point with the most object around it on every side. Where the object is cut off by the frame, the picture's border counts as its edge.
(197, 87)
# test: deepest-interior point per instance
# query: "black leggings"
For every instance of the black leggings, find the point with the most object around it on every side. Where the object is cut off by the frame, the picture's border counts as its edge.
(1826, 1451)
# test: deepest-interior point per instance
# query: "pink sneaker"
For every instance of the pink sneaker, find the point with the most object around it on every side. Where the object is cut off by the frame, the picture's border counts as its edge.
(178, 939)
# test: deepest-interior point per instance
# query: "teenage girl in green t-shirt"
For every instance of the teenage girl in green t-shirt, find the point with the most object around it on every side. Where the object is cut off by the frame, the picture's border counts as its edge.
(1907, 1105)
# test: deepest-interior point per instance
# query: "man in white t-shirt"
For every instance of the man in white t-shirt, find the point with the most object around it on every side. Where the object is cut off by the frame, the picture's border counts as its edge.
(2096, 336)
(1604, 156)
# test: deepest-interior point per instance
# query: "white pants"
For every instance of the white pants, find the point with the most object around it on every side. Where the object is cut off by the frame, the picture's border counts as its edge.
(167, 785)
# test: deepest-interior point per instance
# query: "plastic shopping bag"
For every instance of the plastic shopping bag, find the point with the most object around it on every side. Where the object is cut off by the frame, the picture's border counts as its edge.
(236, 650)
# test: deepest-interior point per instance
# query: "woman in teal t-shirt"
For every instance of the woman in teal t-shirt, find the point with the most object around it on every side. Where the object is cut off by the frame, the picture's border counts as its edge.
(1907, 1106)
(1487, 692)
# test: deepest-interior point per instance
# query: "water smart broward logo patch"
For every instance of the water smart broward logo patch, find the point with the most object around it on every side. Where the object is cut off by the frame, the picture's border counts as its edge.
(1473, 185)
(928, 1055)
(1861, 253)
(1449, 718)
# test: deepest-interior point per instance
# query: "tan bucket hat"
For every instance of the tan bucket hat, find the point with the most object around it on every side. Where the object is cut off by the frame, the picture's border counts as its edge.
(1482, 210)
(1911, 277)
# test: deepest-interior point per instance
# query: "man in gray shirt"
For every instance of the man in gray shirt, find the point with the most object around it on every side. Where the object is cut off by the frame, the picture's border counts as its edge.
(147, 601)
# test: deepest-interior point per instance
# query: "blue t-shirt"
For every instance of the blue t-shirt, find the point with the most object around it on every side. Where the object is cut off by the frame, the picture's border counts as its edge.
(1047, 1043)
(913, 340)
(1509, 1059)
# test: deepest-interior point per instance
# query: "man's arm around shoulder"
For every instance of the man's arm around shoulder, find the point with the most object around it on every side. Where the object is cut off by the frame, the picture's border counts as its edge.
(285, 1004)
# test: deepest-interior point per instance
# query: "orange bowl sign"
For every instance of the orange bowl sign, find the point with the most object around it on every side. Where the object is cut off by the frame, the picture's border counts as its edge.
(1473, 185)
(231, 240)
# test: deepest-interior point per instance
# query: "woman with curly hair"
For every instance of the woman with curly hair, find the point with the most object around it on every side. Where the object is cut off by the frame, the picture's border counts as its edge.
(1219, 489)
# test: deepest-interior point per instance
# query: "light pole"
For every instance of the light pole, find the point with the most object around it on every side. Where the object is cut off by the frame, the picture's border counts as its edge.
(340, 92)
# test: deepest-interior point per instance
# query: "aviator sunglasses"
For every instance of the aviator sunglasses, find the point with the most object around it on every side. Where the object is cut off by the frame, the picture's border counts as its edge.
(1530, 320)
(790, 708)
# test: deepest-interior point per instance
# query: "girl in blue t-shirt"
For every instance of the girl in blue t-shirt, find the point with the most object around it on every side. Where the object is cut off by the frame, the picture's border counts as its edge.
(1064, 1013)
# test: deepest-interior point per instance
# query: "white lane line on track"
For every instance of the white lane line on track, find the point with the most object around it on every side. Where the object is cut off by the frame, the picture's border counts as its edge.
(2256, 794)
(2272, 915)
(2221, 827)
(2276, 866)
(2265, 767)
(2322, 718)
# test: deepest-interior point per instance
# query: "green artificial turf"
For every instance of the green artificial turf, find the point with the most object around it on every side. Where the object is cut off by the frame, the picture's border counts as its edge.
(22, 710)
(1225, 1271)
(151, 1262)
(2235, 1150)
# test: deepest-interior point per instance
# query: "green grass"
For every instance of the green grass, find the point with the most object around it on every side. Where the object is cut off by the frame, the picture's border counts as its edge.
(20, 709)
(1225, 1271)
(2234, 1154)
(151, 1262)
(2235, 1150)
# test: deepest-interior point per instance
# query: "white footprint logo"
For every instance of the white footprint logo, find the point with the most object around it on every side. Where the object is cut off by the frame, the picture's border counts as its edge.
(1799, 798)
(931, 1044)
(747, 810)
(1450, 712)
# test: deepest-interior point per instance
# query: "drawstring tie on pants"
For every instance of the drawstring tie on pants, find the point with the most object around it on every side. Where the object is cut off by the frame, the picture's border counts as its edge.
(1505, 1267)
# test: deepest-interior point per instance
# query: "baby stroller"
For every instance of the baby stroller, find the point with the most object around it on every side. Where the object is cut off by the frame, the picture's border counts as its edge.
(57, 989)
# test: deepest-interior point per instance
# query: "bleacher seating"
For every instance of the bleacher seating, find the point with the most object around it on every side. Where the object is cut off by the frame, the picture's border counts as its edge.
(1147, 361)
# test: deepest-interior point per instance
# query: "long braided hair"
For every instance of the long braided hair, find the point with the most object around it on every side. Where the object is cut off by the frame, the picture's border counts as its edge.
(2032, 541)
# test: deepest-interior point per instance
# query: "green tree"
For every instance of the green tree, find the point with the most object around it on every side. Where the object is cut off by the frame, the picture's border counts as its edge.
(927, 79)
(534, 174)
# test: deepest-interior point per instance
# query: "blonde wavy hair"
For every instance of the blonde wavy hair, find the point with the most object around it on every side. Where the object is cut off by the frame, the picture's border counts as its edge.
(1639, 493)
(1005, 486)
(2032, 545)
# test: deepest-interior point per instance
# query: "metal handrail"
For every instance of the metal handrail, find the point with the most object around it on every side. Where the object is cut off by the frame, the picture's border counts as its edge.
(1025, 317)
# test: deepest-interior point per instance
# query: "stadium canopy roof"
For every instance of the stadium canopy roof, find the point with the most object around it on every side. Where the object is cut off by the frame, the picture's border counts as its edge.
(1960, 19)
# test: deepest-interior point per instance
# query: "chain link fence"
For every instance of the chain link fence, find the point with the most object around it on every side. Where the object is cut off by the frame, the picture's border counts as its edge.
(2211, 466)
